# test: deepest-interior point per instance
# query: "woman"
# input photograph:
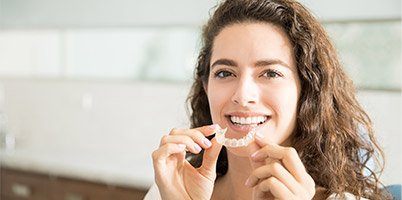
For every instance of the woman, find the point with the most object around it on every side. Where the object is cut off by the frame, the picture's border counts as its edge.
(269, 64)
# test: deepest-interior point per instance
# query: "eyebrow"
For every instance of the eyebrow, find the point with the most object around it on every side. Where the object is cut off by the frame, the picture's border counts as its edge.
(260, 63)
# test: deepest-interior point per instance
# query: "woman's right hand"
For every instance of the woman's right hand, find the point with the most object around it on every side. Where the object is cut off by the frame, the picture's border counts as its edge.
(175, 176)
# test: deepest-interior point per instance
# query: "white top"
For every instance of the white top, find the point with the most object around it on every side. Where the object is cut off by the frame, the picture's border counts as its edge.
(153, 194)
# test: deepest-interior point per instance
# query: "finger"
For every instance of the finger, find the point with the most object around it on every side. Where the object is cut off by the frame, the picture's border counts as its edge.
(276, 170)
(209, 129)
(199, 138)
(159, 156)
(166, 150)
(198, 134)
(287, 155)
(255, 146)
(191, 146)
(260, 139)
(276, 188)
(210, 158)
(252, 149)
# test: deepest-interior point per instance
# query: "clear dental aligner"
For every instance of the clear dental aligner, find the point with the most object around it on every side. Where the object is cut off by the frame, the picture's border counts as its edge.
(233, 143)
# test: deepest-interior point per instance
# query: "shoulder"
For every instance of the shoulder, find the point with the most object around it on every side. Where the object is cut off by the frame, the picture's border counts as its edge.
(348, 196)
(153, 193)
(321, 194)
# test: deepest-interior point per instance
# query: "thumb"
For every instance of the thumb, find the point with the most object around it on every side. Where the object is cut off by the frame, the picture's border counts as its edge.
(254, 147)
(210, 158)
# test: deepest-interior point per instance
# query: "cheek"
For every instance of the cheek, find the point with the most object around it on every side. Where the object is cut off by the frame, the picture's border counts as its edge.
(283, 102)
(218, 96)
(282, 99)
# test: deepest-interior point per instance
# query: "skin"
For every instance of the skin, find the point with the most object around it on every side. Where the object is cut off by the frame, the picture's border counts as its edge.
(248, 87)
(266, 169)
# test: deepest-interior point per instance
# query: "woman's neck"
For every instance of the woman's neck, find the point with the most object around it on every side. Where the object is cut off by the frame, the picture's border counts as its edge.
(232, 183)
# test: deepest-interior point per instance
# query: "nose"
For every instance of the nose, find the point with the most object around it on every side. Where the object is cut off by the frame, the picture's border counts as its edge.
(246, 93)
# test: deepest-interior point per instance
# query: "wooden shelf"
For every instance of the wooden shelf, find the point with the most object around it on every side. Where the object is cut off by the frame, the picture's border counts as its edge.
(23, 185)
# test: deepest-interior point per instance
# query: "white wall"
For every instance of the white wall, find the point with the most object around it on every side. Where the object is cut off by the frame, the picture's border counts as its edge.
(131, 117)
(343, 10)
(57, 114)
(94, 13)
(104, 13)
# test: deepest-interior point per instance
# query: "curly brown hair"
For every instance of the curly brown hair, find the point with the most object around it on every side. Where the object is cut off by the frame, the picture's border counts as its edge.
(328, 134)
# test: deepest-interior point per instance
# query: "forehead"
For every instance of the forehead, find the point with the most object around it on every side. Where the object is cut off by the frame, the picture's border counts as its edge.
(248, 42)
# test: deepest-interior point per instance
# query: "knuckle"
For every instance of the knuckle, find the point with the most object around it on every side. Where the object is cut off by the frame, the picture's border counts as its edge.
(199, 133)
(191, 139)
(267, 184)
(264, 186)
(312, 192)
(170, 146)
(266, 148)
(188, 140)
(257, 173)
(174, 131)
(312, 182)
(195, 134)
(155, 155)
(276, 168)
(271, 181)
(164, 139)
(312, 185)
(290, 151)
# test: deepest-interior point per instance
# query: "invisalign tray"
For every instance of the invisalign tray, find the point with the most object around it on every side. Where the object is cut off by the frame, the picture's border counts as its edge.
(233, 143)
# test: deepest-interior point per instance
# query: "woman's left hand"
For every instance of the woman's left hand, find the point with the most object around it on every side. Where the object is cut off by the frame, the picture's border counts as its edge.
(279, 173)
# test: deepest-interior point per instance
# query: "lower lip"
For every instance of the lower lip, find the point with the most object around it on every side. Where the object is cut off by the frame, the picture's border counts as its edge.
(244, 129)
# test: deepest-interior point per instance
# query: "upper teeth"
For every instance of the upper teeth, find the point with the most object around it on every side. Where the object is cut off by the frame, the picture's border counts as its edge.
(248, 120)
(242, 142)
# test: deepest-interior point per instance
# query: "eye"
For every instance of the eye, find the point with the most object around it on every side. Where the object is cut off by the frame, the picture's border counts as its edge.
(271, 73)
(222, 74)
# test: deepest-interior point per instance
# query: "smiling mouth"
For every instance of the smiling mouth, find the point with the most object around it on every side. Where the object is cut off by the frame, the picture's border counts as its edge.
(247, 121)
(234, 143)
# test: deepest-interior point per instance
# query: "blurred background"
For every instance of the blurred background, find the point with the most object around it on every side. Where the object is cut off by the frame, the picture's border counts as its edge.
(88, 87)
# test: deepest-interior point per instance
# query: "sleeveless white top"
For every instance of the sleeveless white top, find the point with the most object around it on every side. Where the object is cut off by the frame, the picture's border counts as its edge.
(153, 194)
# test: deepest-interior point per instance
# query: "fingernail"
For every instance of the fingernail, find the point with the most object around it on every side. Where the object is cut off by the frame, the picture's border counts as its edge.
(259, 135)
(197, 147)
(248, 182)
(182, 146)
(254, 155)
(207, 142)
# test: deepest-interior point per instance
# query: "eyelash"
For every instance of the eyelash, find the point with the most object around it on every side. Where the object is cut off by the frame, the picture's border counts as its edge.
(275, 72)
(216, 75)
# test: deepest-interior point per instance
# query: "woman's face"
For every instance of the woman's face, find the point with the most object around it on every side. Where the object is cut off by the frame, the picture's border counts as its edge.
(253, 80)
